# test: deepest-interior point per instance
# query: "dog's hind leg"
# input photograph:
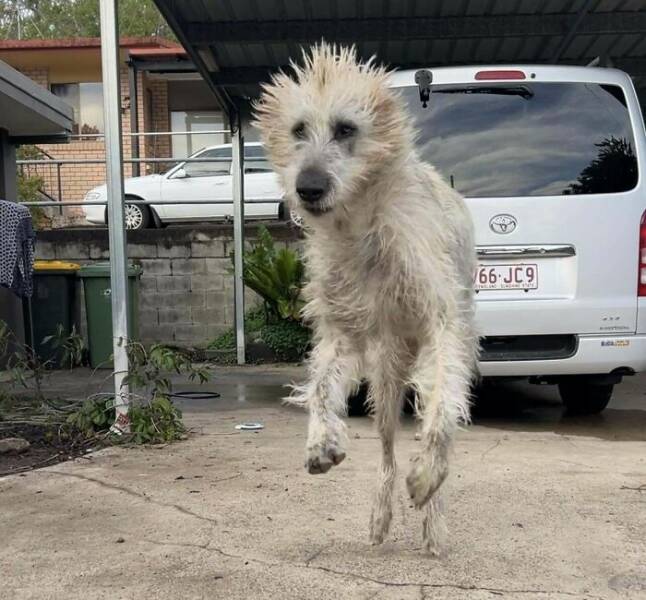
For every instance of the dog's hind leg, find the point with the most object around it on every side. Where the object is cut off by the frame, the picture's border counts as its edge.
(386, 394)
(333, 375)
(442, 377)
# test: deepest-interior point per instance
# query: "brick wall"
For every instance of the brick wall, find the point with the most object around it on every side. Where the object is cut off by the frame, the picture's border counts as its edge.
(158, 146)
(40, 76)
(186, 291)
(77, 180)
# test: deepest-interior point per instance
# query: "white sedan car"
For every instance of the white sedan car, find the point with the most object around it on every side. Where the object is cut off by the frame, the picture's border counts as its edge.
(191, 181)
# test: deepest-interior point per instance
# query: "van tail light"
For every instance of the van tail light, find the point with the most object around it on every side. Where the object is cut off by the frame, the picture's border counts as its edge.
(499, 74)
(641, 281)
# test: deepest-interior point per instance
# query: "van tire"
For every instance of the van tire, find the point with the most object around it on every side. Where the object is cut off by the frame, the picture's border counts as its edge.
(357, 402)
(409, 401)
(582, 397)
(358, 406)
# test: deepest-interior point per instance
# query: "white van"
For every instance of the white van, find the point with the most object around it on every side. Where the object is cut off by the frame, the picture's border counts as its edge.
(551, 161)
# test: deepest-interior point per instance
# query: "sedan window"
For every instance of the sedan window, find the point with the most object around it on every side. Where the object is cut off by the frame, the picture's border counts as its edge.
(255, 161)
(257, 166)
(210, 169)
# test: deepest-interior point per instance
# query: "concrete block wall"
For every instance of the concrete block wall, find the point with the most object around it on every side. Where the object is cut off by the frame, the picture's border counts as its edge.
(186, 290)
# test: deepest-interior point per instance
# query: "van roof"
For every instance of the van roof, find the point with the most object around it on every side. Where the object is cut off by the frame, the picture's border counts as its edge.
(552, 73)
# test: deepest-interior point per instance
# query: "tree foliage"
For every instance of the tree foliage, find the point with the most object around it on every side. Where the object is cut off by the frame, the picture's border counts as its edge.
(29, 185)
(49, 19)
(613, 169)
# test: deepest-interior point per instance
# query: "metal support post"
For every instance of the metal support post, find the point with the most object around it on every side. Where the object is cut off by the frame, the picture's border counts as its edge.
(237, 143)
(8, 178)
(134, 115)
(116, 225)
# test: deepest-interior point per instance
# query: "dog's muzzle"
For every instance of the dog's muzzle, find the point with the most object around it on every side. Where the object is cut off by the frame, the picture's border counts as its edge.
(312, 186)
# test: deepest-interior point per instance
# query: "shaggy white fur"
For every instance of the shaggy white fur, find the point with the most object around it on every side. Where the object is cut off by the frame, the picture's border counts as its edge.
(390, 259)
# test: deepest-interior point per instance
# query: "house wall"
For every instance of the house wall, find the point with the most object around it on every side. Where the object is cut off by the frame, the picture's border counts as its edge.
(77, 180)
(186, 290)
(84, 65)
(156, 119)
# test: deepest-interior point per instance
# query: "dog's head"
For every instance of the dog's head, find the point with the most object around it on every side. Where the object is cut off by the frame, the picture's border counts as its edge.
(332, 129)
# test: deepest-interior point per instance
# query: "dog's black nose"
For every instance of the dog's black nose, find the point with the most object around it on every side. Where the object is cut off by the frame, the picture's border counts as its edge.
(312, 185)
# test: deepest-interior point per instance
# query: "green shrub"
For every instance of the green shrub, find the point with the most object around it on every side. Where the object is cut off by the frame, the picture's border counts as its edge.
(225, 341)
(158, 421)
(153, 416)
(29, 187)
(70, 347)
(95, 415)
(253, 323)
(277, 276)
(288, 339)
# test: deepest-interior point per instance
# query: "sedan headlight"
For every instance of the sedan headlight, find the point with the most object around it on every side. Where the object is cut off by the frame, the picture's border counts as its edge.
(92, 196)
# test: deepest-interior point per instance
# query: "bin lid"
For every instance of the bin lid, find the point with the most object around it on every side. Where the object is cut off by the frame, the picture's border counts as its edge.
(102, 269)
(55, 266)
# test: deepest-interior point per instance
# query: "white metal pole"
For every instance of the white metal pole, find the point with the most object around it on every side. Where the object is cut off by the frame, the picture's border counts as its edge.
(237, 142)
(116, 225)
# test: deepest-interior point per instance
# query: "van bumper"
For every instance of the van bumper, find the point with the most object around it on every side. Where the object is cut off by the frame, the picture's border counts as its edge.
(594, 355)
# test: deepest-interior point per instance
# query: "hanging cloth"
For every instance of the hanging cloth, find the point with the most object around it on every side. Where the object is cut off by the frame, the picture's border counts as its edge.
(17, 243)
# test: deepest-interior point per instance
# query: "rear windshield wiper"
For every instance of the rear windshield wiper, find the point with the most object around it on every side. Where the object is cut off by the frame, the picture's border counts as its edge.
(512, 90)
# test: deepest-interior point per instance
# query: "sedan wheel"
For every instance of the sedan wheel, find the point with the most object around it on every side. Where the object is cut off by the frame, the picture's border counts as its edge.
(136, 216)
(296, 218)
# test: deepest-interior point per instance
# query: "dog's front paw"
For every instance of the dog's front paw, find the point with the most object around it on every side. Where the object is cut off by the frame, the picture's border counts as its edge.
(379, 524)
(326, 443)
(426, 475)
(323, 456)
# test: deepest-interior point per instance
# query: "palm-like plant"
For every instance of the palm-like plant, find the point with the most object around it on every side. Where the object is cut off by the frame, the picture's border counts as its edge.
(277, 276)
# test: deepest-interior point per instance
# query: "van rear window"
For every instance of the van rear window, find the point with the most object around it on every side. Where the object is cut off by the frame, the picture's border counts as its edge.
(527, 139)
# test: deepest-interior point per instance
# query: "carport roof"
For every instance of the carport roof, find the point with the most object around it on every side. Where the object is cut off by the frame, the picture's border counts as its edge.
(28, 112)
(237, 43)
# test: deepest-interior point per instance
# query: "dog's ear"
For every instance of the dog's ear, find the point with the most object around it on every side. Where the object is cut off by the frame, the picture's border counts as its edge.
(391, 123)
(270, 120)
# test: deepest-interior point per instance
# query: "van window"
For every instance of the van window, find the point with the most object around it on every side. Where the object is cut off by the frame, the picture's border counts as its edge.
(527, 139)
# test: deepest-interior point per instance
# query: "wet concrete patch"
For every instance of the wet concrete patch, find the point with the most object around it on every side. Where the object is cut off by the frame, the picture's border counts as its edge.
(632, 581)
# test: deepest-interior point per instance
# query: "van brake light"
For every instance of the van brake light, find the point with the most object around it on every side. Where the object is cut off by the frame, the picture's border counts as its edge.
(499, 74)
(641, 276)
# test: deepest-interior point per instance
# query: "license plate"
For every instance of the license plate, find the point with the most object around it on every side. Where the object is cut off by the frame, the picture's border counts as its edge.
(506, 277)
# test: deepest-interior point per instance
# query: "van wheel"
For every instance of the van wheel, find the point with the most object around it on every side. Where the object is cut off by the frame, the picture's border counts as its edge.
(409, 401)
(357, 402)
(581, 397)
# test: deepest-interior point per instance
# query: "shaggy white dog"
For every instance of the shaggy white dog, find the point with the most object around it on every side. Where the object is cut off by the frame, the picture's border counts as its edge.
(390, 260)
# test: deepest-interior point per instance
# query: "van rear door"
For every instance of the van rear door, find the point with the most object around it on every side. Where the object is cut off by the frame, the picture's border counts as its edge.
(548, 164)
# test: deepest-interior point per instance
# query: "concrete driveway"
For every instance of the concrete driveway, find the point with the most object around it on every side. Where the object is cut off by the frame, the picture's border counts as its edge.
(539, 506)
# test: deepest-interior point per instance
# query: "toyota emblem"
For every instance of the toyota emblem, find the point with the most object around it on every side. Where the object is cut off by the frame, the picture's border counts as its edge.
(503, 224)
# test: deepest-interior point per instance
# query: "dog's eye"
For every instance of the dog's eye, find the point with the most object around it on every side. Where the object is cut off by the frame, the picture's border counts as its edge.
(344, 130)
(298, 131)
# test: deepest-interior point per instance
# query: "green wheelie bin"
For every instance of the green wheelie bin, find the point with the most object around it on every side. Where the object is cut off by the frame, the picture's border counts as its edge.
(98, 308)
(53, 303)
